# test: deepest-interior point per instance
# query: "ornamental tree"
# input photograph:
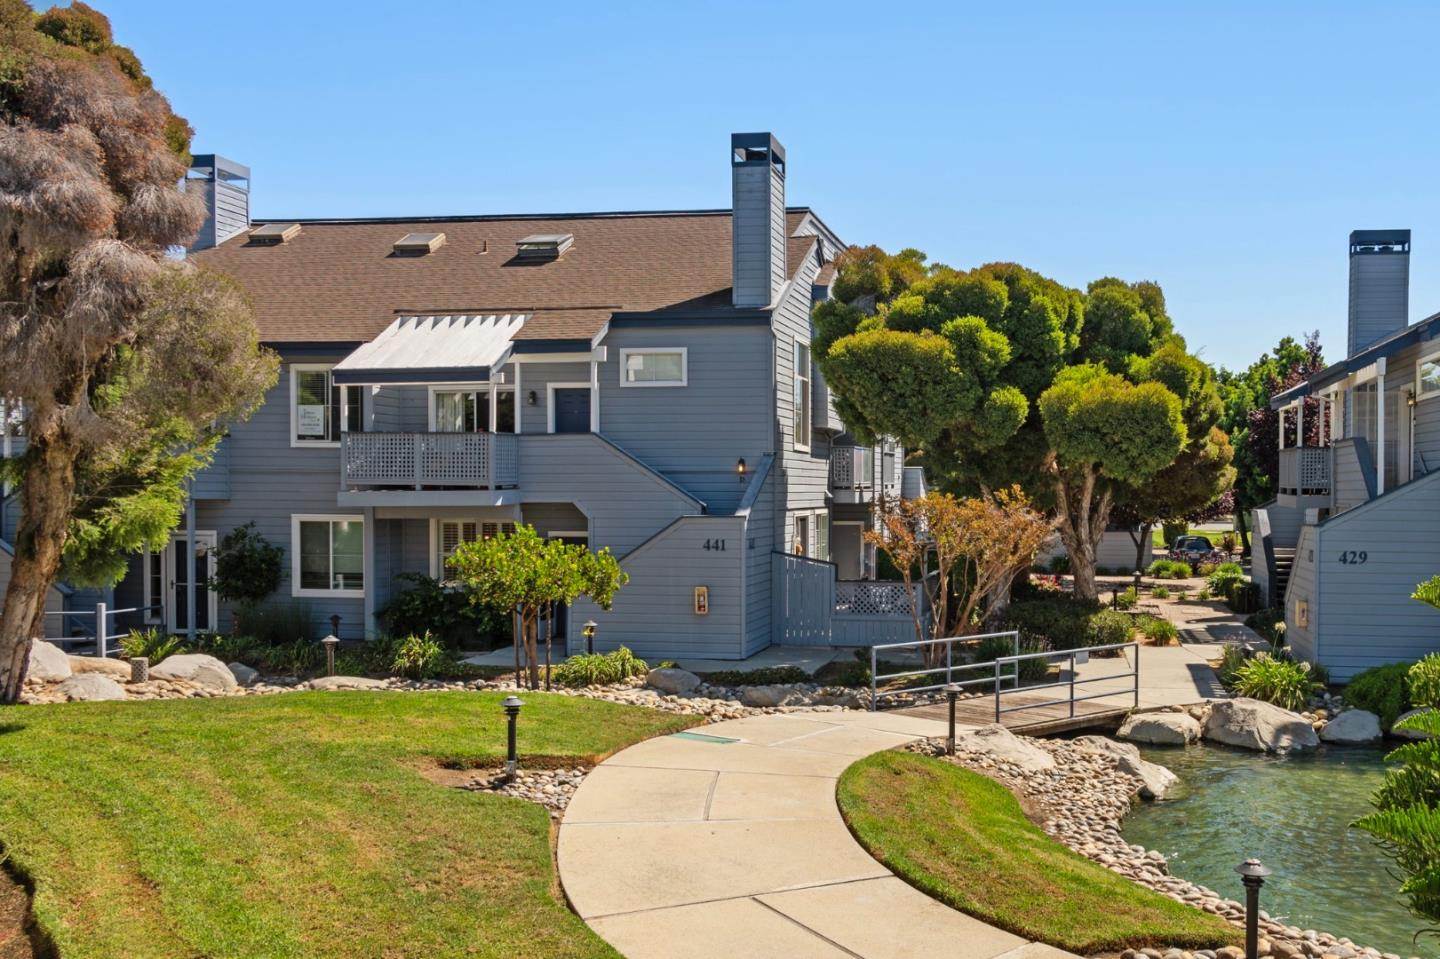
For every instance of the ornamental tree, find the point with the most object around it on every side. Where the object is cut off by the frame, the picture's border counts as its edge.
(1001, 376)
(529, 575)
(126, 363)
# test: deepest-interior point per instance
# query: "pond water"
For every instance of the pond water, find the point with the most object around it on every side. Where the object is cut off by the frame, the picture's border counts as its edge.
(1292, 812)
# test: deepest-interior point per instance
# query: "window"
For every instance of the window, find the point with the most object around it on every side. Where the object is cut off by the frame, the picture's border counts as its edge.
(802, 535)
(822, 536)
(1427, 377)
(320, 410)
(666, 367)
(450, 533)
(802, 395)
(327, 556)
(473, 411)
(154, 586)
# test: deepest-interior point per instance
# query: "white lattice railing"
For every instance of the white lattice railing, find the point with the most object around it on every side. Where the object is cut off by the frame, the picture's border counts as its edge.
(869, 598)
(852, 467)
(484, 460)
(1305, 470)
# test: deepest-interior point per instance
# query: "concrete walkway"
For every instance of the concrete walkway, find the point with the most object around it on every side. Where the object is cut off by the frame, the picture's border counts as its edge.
(726, 842)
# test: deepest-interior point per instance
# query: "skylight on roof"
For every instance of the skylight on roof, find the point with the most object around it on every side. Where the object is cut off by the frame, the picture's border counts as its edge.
(543, 246)
(273, 234)
(418, 244)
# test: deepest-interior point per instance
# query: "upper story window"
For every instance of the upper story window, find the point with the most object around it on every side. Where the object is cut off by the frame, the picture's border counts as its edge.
(802, 395)
(1427, 377)
(658, 367)
(473, 411)
(327, 555)
(319, 409)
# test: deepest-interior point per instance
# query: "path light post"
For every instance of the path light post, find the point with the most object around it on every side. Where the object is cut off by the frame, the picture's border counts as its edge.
(589, 631)
(1138, 574)
(330, 642)
(1252, 874)
(952, 692)
(512, 706)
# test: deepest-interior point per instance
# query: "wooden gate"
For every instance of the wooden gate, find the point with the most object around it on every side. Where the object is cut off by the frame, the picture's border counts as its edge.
(803, 591)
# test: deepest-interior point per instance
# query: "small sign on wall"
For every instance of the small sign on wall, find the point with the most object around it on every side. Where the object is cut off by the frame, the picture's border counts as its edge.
(1302, 613)
(702, 600)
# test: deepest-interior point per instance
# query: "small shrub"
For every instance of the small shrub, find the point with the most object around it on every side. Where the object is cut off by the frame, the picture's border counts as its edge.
(1203, 594)
(153, 644)
(1320, 674)
(429, 605)
(1109, 627)
(1383, 690)
(1173, 531)
(1242, 596)
(1160, 632)
(992, 648)
(299, 657)
(1059, 623)
(1424, 680)
(1169, 569)
(1220, 578)
(1127, 599)
(276, 624)
(1159, 592)
(419, 657)
(852, 674)
(765, 676)
(1277, 680)
(1060, 565)
(1231, 659)
(247, 566)
(1229, 541)
(1206, 569)
(1033, 670)
(599, 669)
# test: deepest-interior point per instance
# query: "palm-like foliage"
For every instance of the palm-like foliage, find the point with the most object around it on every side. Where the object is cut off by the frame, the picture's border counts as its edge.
(1428, 592)
(1407, 817)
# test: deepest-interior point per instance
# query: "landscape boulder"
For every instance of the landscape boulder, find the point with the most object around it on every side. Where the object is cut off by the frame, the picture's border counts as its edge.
(1408, 733)
(197, 668)
(243, 674)
(346, 682)
(1004, 745)
(117, 669)
(1252, 724)
(775, 695)
(48, 662)
(89, 688)
(676, 682)
(1352, 726)
(1155, 780)
(1161, 729)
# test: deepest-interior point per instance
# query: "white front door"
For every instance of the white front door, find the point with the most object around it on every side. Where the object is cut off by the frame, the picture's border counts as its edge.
(177, 578)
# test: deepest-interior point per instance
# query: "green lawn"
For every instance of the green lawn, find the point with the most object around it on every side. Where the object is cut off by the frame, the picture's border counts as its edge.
(293, 825)
(963, 839)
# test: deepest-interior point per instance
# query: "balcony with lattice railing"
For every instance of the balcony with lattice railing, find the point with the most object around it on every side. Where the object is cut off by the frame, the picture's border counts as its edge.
(1304, 471)
(438, 461)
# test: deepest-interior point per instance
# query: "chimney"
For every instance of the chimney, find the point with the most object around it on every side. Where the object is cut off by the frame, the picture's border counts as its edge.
(225, 187)
(757, 166)
(1379, 286)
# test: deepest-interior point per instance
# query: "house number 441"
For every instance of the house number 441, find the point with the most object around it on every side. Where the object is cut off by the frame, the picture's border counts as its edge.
(1352, 557)
(715, 544)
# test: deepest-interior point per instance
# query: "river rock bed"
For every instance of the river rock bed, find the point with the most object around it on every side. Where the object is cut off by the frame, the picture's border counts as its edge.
(1081, 800)
(551, 788)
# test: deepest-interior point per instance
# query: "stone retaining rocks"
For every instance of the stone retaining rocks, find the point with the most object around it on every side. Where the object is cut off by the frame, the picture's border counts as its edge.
(1252, 724)
(244, 675)
(90, 687)
(48, 662)
(1004, 746)
(1155, 779)
(1352, 726)
(197, 668)
(116, 669)
(1161, 729)
(669, 680)
(345, 682)
(551, 788)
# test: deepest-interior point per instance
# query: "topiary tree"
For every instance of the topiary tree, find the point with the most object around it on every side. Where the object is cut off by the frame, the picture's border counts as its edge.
(127, 364)
(247, 566)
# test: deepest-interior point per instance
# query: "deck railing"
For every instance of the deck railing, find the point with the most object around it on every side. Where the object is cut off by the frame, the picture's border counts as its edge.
(852, 468)
(420, 460)
(1305, 471)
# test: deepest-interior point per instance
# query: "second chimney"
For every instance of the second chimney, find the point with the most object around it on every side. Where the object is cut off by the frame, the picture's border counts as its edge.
(1379, 286)
(225, 187)
(758, 257)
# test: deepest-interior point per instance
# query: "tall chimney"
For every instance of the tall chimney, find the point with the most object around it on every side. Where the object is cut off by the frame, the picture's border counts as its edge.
(225, 187)
(1379, 286)
(757, 164)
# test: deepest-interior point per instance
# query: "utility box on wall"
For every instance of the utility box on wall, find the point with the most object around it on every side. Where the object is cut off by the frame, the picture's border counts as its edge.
(702, 600)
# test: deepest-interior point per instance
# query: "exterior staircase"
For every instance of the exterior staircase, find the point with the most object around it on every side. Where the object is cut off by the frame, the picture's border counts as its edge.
(1280, 578)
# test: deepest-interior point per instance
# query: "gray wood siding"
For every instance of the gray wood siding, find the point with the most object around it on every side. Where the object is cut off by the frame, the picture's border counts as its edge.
(548, 518)
(804, 476)
(400, 409)
(1427, 436)
(694, 433)
(654, 613)
(1301, 589)
(758, 233)
(1365, 616)
(538, 377)
(1379, 297)
(1351, 472)
(759, 547)
(213, 482)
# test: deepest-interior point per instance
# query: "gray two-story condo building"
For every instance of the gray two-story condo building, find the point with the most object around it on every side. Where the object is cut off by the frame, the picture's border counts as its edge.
(1355, 525)
(637, 381)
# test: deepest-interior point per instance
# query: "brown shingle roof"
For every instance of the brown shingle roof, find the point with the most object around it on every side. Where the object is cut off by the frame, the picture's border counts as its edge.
(339, 281)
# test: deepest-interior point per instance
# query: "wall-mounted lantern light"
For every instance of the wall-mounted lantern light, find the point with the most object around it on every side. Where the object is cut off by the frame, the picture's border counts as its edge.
(1409, 397)
(530, 398)
(740, 469)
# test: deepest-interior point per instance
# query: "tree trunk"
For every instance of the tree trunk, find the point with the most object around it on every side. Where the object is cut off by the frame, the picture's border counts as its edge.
(1082, 520)
(532, 649)
(517, 634)
(46, 490)
(1142, 545)
(1244, 532)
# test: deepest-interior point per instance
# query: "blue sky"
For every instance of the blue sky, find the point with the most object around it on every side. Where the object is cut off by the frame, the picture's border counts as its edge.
(1225, 151)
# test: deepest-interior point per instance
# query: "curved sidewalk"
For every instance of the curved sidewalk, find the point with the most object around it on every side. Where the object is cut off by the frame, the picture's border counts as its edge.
(726, 842)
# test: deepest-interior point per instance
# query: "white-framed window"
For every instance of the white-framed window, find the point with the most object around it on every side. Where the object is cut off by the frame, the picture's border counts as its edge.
(654, 367)
(822, 535)
(801, 540)
(327, 555)
(802, 395)
(810, 535)
(154, 586)
(319, 409)
(479, 410)
(1427, 377)
(447, 535)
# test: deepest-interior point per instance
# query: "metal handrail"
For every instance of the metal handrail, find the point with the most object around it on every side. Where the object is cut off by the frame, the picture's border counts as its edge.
(948, 669)
(1073, 655)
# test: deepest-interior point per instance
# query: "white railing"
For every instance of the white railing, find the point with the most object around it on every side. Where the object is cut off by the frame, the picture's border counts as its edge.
(418, 460)
(1305, 471)
(871, 598)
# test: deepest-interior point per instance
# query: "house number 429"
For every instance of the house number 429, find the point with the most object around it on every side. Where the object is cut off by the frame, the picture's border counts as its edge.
(1352, 557)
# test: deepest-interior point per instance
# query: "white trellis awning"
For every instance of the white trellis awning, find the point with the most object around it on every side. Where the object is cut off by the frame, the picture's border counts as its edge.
(433, 349)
